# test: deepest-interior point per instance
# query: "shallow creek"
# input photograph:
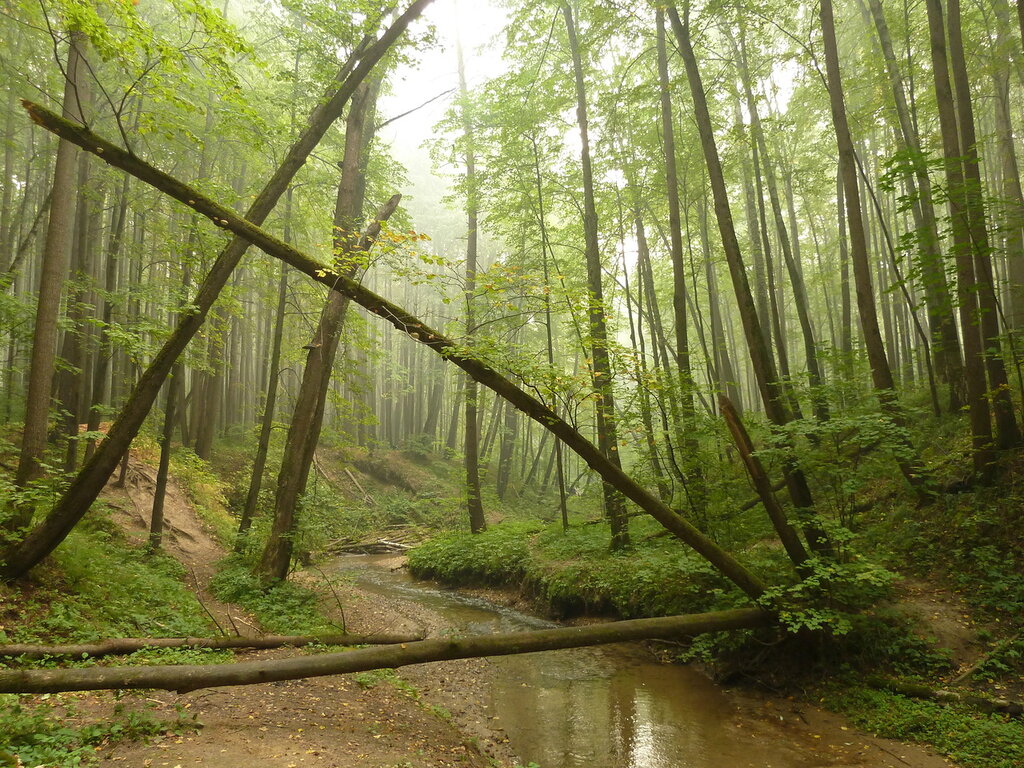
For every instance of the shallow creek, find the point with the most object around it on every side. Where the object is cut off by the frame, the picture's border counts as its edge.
(604, 707)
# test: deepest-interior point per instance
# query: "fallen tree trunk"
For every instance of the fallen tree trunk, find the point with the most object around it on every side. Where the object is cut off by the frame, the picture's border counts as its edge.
(124, 645)
(187, 678)
(921, 691)
(464, 358)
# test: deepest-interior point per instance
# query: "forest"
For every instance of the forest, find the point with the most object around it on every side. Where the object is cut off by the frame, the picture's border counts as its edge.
(342, 337)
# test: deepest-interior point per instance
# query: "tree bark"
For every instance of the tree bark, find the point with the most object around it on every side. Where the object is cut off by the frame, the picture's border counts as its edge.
(601, 371)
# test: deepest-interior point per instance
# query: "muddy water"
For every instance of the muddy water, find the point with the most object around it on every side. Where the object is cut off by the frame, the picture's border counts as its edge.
(607, 707)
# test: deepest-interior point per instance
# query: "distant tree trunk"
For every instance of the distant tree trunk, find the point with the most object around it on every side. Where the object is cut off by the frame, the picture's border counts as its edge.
(881, 375)
(549, 333)
(695, 475)
(636, 333)
(1007, 430)
(51, 279)
(601, 366)
(471, 426)
(270, 401)
(106, 350)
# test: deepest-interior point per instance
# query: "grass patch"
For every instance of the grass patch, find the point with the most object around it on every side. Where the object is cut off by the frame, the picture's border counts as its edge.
(966, 736)
(573, 571)
(283, 608)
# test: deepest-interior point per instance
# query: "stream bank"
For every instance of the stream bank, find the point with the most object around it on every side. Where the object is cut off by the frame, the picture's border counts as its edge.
(608, 706)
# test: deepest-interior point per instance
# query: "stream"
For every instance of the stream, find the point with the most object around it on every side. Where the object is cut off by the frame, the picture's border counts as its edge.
(600, 707)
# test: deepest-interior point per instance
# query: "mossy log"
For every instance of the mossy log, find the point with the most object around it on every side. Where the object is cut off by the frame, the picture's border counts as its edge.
(922, 691)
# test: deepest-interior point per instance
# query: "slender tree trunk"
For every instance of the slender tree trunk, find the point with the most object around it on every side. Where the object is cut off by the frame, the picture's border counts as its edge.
(471, 426)
(270, 402)
(51, 279)
(694, 472)
(881, 374)
(601, 365)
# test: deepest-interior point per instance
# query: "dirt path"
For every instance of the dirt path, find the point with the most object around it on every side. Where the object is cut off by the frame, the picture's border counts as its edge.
(325, 722)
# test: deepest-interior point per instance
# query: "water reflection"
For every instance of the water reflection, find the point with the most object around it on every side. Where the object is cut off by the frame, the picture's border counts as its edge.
(607, 707)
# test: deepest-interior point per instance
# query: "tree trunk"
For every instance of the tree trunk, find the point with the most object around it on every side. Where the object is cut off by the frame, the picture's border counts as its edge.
(694, 472)
(185, 678)
(601, 371)
(471, 419)
(51, 280)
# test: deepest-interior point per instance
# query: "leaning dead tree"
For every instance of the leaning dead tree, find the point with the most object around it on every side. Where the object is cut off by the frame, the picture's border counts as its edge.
(185, 678)
(465, 359)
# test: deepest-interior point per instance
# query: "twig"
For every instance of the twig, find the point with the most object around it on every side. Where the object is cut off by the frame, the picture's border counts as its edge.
(200, 601)
(334, 592)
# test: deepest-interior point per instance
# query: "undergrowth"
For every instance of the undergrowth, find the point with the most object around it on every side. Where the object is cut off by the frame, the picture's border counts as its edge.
(46, 733)
(573, 572)
(283, 608)
(966, 736)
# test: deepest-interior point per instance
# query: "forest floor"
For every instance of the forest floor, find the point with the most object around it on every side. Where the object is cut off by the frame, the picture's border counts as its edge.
(432, 716)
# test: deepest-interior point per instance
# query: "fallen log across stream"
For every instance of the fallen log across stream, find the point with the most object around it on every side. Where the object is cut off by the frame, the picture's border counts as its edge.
(125, 645)
(185, 678)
